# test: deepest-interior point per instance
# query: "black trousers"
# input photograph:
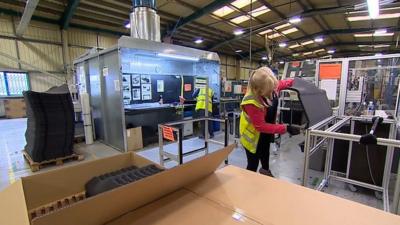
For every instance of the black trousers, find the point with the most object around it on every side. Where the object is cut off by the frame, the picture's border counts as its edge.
(200, 113)
(262, 153)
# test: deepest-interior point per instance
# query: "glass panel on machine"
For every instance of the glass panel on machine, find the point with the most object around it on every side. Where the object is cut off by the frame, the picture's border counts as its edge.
(372, 83)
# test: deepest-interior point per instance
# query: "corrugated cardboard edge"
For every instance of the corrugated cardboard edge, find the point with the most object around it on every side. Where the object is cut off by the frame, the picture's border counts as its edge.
(13, 210)
(43, 188)
(110, 205)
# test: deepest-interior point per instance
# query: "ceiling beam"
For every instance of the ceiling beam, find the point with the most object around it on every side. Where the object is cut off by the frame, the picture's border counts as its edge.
(26, 17)
(68, 13)
(337, 44)
(197, 14)
(53, 21)
(304, 14)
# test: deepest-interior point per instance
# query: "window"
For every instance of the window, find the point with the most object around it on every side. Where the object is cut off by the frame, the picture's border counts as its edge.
(13, 83)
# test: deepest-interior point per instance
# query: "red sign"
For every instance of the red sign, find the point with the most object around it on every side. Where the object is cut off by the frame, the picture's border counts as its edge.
(188, 87)
(295, 63)
(244, 89)
(168, 133)
(330, 71)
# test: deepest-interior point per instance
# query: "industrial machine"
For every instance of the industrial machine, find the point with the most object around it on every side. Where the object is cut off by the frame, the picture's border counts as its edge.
(138, 82)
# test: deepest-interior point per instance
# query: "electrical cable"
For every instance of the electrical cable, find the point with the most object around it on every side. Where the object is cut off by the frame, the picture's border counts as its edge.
(368, 160)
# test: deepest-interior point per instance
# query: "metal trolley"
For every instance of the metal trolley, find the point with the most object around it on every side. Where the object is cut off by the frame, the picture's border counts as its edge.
(325, 132)
(177, 129)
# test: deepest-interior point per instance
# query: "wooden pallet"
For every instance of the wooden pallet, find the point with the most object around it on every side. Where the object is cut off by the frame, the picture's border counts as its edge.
(54, 206)
(36, 166)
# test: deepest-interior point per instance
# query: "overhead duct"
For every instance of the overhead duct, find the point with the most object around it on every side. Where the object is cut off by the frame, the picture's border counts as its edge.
(145, 23)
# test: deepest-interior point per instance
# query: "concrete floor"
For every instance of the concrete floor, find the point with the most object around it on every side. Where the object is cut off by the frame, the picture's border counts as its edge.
(286, 164)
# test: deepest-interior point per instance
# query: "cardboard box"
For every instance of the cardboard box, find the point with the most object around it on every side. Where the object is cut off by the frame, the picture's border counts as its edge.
(134, 138)
(182, 207)
(15, 108)
(34, 192)
(272, 201)
(187, 194)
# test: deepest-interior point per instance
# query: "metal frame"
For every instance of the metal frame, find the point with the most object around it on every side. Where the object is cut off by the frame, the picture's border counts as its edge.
(166, 156)
(345, 73)
(326, 130)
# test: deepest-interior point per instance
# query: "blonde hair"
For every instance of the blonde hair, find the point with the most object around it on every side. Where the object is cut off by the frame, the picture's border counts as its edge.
(262, 82)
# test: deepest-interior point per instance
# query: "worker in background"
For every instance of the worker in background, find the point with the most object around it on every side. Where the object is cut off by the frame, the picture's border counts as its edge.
(200, 96)
(257, 120)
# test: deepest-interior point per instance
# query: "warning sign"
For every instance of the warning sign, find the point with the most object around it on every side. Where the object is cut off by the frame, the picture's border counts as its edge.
(168, 133)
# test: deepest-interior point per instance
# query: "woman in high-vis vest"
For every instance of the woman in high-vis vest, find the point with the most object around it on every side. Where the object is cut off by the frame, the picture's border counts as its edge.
(200, 96)
(257, 120)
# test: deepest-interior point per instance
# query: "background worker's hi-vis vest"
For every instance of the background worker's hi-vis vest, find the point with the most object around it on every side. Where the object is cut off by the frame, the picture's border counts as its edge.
(201, 99)
(248, 134)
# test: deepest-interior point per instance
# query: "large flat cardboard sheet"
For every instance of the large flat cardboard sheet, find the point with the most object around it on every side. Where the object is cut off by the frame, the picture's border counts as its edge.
(182, 207)
(271, 201)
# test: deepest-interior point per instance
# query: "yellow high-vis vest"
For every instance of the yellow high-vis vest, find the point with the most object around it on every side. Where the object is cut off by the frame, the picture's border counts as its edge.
(201, 99)
(248, 134)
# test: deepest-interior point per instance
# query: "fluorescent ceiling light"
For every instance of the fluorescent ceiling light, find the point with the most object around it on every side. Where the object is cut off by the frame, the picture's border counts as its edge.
(373, 34)
(241, 3)
(307, 42)
(265, 32)
(238, 32)
(373, 8)
(181, 57)
(378, 54)
(128, 25)
(319, 39)
(275, 35)
(291, 30)
(383, 34)
(240, 19)
(198, 41)
(331, 51)
(380, 17)
(319, 50)
(294, 46)
(282, 45)
(373, 46)
(295, 19)
(307, 53)
(239, 51)
(282, 26)
(380, 31)
(223, 11)
(259, 11)
(264, 58)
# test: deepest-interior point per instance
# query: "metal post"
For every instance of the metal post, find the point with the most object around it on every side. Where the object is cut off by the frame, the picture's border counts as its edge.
(180, 146)
(206, 134)
(350, 150)
(306, 160)
(343, 86)
(396, 198)
(226, 137)
(161, 145)
(387, 169)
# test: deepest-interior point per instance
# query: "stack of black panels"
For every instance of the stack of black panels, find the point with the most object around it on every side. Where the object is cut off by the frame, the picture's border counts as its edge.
(50, 125)
(118, 178)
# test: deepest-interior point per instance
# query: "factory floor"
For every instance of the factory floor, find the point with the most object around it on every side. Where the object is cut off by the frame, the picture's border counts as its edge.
(286, 164)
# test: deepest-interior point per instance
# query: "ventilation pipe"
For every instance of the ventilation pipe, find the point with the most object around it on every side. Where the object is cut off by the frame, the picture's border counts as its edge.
(145, 23)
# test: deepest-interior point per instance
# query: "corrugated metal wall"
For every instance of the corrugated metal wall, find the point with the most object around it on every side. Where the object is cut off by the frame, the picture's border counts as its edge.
(234, 69)
(42, 47)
